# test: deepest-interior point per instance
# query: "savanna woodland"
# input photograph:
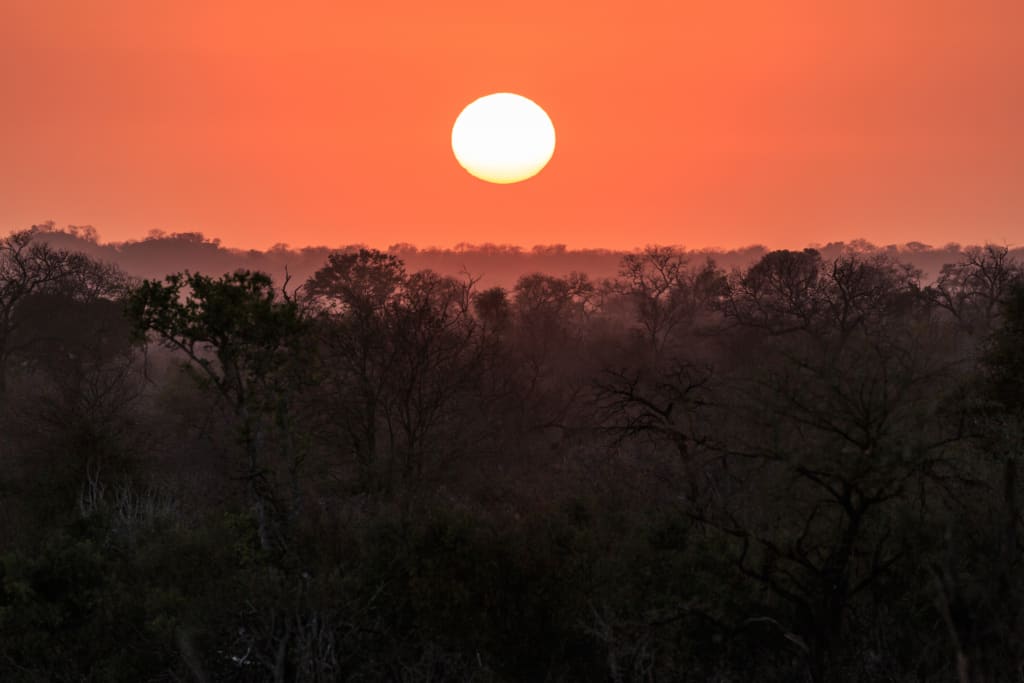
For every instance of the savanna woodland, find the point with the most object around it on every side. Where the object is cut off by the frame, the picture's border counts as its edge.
(805, 469)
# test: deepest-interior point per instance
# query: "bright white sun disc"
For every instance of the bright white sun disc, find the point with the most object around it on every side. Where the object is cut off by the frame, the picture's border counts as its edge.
(503, 138)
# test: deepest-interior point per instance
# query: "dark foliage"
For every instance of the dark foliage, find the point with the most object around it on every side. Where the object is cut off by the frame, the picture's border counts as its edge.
(802, 469)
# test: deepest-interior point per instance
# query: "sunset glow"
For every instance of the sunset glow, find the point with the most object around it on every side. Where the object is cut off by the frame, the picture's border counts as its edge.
(499, 342)
(703, 123)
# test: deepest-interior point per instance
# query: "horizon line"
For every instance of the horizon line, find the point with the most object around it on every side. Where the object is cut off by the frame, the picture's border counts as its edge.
(90, 234)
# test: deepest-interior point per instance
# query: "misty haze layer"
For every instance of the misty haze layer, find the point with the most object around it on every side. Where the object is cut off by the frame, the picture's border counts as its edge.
(495, 265)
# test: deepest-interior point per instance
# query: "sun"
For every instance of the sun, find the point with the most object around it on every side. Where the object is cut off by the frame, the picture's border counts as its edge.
(503, 138)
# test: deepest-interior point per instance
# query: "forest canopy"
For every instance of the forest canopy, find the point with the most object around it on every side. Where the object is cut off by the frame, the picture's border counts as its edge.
(797, 465)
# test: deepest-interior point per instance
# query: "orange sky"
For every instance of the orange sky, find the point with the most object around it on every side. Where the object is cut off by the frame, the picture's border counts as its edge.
(703, 123)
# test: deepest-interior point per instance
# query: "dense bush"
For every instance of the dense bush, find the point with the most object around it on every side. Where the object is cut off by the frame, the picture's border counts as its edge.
(801, 470)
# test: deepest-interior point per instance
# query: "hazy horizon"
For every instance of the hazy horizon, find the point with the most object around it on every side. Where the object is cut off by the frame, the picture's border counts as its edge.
(92, 233)
(160, 253)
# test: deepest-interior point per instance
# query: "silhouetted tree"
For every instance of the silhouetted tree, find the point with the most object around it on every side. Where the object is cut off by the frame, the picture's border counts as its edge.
(494, 310)
(435, 354)
(353, 298)
(360, 283)
(398, 350)
(838, 424)
(667, 293)
(28, 267)
(779, 294)
(239, 334)
(976, 288)
(978, 579)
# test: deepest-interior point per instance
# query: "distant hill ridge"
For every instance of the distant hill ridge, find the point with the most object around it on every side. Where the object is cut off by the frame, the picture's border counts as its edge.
(497, 265)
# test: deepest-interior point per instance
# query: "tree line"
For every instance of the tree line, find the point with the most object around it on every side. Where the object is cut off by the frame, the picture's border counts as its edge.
(802, 469)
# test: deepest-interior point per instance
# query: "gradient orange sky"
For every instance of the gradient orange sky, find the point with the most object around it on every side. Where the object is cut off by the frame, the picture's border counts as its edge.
(703, 123)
